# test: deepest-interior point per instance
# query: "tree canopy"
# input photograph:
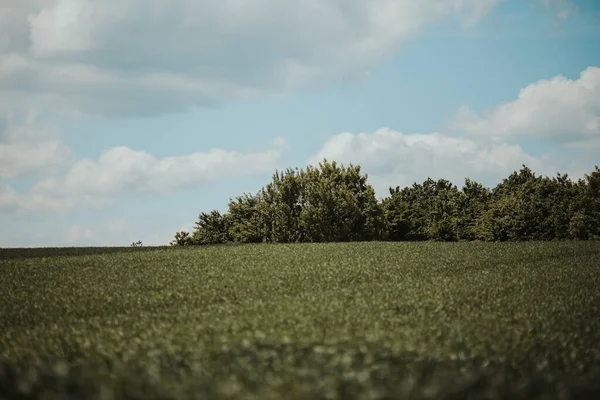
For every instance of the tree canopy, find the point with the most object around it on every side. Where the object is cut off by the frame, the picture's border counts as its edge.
(335, 203)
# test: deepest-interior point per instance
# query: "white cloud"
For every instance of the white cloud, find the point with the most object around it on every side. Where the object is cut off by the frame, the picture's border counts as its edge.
(30, 146)
(392, 158)
(31, 202)
(122, 171)
(557, 110)
(147, 57)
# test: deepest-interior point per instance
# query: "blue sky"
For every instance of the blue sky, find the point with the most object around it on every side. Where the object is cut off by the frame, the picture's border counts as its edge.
(120, 123)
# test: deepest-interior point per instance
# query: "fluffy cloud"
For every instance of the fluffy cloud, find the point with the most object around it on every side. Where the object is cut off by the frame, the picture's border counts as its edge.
(393, 158)
(139, 57)
(30, 146)
(121, 170)
(34, 201)
(557, 110)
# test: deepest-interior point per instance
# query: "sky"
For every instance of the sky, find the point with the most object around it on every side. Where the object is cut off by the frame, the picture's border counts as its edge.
(122, 120)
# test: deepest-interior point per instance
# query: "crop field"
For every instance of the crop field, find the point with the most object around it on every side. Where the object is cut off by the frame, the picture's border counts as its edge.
(305, 321)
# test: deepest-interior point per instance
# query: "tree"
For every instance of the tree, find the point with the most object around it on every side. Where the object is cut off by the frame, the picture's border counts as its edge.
(281, 206)
(427, 211)
(529, 207)
(472, 205)
(211, 228)
(246, 223)
(182, 238)
(585, 222)
(337, 204)
(331, 202)
(397, 225)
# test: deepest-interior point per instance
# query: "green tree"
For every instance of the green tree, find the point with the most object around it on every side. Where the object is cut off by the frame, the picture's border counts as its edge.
(585, 222)
(246, 223)
(513, 213)
(473, 202)
(331, 202)
(182, 238)
(282, 204)
(337, 204)
(529, 207)
(427, 211)
(397, 225)
(212, 228)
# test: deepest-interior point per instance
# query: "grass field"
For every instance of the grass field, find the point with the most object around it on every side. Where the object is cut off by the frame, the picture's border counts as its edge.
(310, 321)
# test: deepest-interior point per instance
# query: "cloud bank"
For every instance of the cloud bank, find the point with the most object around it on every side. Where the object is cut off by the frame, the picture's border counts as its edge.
(557, 110)
(30, 147)
(124, 171)
(148, 57)
(393, 158)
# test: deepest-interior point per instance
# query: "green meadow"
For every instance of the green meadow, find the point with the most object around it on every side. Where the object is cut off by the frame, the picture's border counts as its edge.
(366, 320)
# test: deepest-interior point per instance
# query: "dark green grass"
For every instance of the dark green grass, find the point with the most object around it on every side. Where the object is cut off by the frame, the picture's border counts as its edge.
(39, 252)
(311, 321)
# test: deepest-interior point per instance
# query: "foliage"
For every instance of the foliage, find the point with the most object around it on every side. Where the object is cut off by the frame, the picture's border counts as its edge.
(337, 205)
(212, 228)
(473, 203)
(323, 204)
(182, 238)
(529, 207)
(246, 222)
(303, 321)
(586, 222)
(333, 203)
(423, 211)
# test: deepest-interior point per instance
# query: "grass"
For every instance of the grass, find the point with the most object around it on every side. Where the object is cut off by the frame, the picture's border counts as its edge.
(306, 321)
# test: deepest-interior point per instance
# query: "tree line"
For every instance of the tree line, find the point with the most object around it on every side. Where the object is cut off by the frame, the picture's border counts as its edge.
(334, 203)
